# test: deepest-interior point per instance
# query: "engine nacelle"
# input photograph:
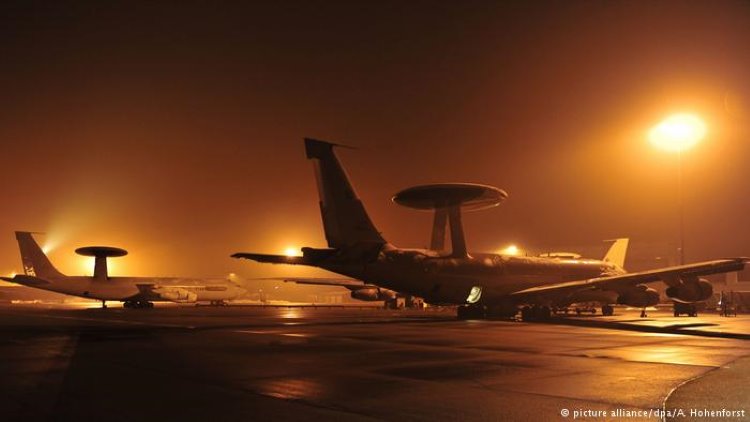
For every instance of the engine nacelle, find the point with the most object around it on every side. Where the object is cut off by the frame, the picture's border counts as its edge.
(176, 294)
(691, 290)
(639, 296)
(371, 294)
(368, 295)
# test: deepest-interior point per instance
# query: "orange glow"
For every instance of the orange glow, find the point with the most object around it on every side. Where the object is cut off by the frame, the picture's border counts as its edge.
(292, 251)
(85, 266)
(510, 250)
(50, 242)
(677, 132)
(7, 283)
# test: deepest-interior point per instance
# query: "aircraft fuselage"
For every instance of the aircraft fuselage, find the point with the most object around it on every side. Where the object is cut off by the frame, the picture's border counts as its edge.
(441, 280)
(132, 288)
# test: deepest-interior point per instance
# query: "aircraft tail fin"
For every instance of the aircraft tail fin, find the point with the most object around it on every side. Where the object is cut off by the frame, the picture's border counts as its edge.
(345, 220)
(617, 252)
(35, 262)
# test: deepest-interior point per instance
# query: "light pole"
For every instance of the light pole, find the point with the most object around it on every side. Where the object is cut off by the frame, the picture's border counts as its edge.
(678, 133)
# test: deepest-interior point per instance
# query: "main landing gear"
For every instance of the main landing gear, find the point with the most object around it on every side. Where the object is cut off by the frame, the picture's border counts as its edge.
(688, 309)
(138, 304)
(643, 313)
(104, 304)
(536, 313)
(528, 313)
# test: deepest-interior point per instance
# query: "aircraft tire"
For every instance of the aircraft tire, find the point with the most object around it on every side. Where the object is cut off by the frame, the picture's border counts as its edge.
(526, 314)
(545, 313)
(391, 304)
(536, 313)
(608, 310)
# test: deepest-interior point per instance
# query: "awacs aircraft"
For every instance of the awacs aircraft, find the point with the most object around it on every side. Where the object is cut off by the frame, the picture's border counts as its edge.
(134, 292)
(481, 284)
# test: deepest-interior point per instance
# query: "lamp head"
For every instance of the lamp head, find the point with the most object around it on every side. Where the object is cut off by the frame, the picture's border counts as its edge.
(677, 132)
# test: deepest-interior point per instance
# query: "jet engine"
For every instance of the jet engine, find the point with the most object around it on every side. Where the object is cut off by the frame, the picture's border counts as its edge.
(690, 290)
(639, 296)
(176, 294)
(371, 294)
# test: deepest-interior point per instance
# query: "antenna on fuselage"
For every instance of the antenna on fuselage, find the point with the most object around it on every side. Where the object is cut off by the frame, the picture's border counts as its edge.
(100, 254)
(448, 200)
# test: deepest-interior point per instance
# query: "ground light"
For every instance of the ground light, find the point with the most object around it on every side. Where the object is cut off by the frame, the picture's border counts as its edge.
(678, 133)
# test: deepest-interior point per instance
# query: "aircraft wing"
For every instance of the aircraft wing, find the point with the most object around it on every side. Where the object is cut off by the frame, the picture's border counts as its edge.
(320, 281)
(330, 282)
(615, 282)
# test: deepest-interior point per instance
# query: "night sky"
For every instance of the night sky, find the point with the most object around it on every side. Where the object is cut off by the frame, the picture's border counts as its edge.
(175, 130)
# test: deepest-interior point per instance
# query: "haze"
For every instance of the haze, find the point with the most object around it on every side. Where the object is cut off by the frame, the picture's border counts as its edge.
(175, 132)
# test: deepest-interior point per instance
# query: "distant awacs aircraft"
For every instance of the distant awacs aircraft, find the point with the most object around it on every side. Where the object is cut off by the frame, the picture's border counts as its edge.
(134, 292)
(480, 284)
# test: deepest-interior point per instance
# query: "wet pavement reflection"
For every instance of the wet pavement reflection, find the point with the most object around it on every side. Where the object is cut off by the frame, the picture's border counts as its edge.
(247, 362)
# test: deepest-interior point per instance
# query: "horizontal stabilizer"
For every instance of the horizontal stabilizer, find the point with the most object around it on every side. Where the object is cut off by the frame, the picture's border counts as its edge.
(322, 281)
(26, 280)
(273, 259)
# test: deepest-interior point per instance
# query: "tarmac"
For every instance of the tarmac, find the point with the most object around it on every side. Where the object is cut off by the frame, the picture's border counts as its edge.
(317, 363)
